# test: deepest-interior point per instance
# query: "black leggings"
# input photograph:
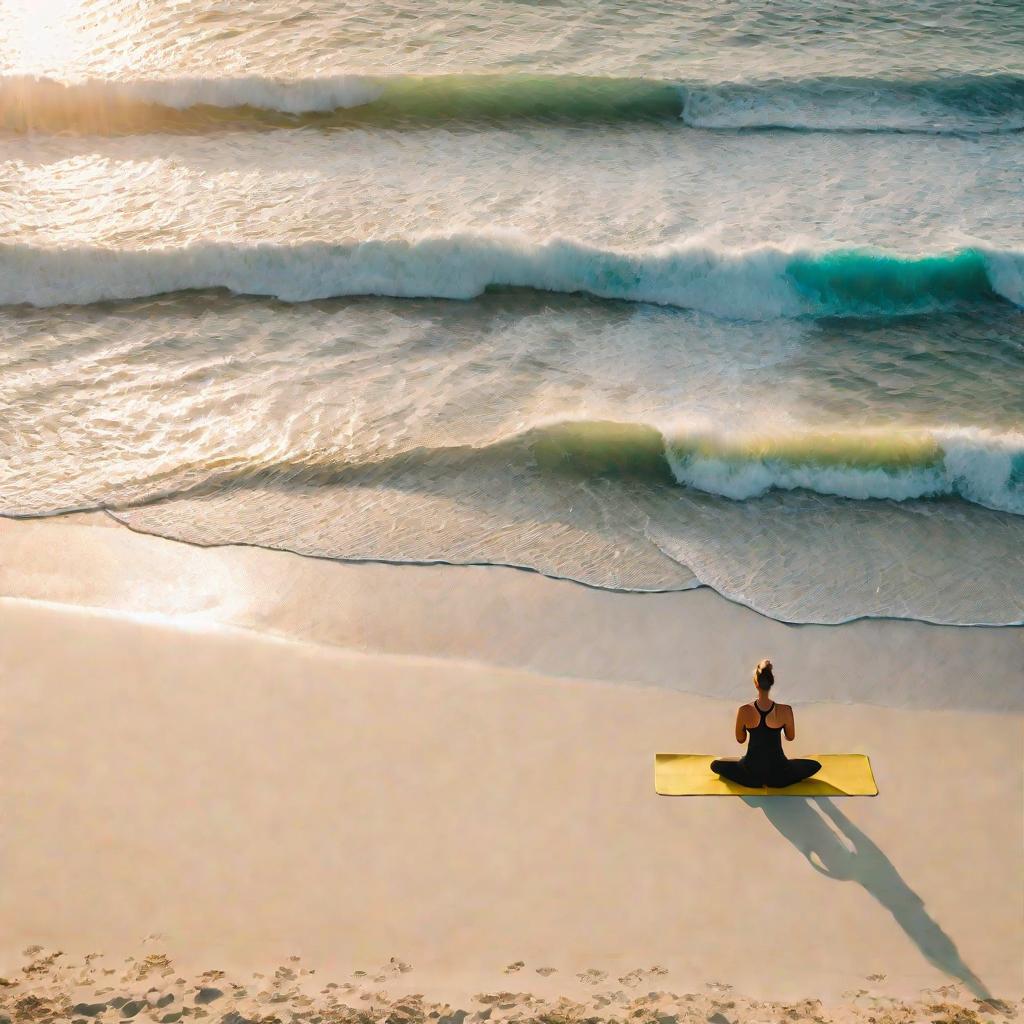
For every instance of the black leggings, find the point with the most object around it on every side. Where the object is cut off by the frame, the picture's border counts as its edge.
(777, 775)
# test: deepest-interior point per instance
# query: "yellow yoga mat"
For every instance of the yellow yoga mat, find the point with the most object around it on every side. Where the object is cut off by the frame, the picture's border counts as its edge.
(691, 775)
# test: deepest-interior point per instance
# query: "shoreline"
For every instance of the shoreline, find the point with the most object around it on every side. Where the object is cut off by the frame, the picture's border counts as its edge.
(440, 563)
(254, 758)
(503, 616)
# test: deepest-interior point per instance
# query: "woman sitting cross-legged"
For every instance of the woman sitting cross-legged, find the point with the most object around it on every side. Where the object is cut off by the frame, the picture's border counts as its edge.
(765, 722)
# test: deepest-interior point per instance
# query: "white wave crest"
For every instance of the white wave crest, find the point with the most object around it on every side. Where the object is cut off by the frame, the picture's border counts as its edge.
(748, 284)
(976, 465)
(756, 284)
(1005, 272)
(298, 96)
(859, 105)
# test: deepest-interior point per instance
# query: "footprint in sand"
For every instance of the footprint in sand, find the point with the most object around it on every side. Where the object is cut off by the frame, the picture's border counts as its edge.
(592, 976)
(40, 964)
(546, 972)
(518, 965)
(633, 978)
(875, 977)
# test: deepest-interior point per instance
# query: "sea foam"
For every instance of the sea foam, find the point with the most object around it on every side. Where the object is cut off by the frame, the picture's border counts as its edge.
(976, 465)
(758, 283)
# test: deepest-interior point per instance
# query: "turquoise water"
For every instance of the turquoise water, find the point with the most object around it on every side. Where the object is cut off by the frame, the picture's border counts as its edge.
(648, 296)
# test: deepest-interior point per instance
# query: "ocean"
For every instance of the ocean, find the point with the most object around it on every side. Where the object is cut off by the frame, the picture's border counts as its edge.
(648, 295)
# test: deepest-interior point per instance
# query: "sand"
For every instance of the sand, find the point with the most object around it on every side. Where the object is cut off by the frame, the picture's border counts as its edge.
(223, 759)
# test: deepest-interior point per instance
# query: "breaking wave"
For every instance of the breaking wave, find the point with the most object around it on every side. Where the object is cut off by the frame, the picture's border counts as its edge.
(975, 465)
(978, 466)
(952, 104)
(755, 284)
(897, 464)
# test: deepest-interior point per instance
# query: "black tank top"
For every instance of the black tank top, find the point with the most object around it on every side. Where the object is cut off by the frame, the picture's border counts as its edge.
(764, 744)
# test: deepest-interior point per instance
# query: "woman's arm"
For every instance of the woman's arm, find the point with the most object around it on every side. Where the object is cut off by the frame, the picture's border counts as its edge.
(741, 729)
(789, 726)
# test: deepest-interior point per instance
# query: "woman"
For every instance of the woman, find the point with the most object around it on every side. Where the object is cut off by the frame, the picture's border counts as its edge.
(764, 763)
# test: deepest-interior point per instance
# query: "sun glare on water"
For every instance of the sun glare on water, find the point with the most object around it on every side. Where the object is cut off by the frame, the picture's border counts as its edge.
(40, 37)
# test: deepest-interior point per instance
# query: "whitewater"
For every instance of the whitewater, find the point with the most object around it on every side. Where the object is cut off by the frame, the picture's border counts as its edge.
(760, 283)
(972, 464)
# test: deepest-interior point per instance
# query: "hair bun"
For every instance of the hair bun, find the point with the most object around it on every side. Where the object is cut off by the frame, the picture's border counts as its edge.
(764, 676)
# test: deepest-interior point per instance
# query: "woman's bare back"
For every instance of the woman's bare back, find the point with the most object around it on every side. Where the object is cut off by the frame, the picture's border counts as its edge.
(780, 717)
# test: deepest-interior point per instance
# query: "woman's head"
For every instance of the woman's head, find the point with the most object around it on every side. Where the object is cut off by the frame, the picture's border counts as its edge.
(763, 675)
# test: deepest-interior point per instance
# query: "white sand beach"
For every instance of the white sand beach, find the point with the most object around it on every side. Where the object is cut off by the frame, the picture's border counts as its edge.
(224, 759)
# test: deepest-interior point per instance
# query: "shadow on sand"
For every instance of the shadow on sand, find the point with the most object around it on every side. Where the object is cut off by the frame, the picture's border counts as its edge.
(805, 823)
